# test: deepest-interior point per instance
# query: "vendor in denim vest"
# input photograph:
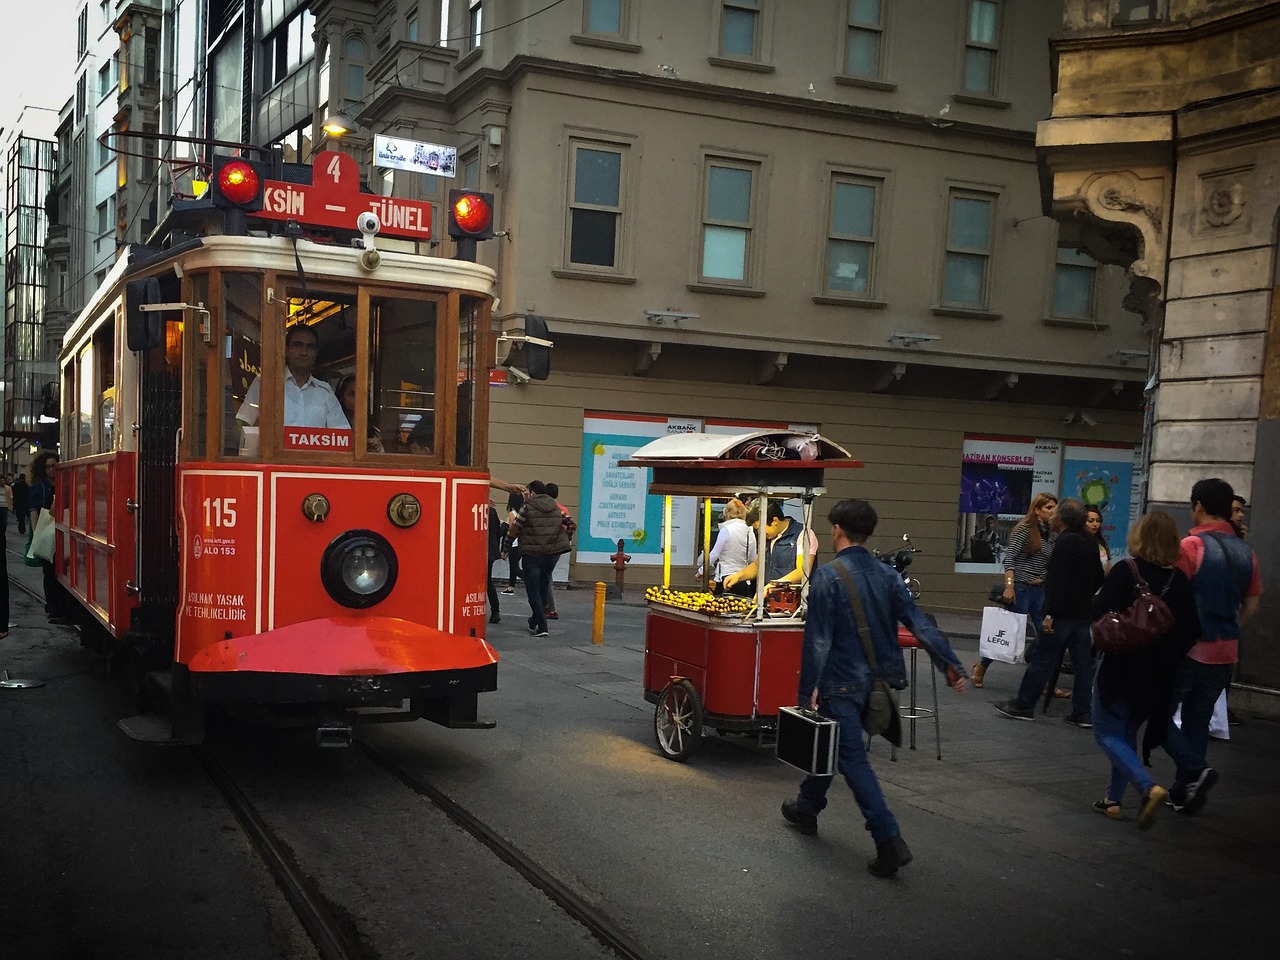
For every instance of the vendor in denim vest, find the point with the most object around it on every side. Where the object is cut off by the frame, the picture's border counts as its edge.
(1227, 584)
(786, 548)
(836, 676)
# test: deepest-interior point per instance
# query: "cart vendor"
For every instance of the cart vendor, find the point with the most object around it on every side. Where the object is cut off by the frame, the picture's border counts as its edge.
(790, 556)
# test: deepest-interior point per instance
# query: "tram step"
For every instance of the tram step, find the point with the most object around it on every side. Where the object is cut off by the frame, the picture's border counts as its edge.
(154, 728)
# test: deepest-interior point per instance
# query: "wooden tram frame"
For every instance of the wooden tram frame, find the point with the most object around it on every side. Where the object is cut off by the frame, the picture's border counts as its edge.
(130, 541)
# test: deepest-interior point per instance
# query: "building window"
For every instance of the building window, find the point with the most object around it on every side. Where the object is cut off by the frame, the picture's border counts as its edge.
(288, 47)
(469, 168)
(1073, 285)
(981, 47)
(863, 38)
(603, 17)
(1137, 11)
(475, 23)
(728, 222)
(969, 244)
(851, 236)
(411, 27)
(81, 96)
(151, 56)
(82, 32)
(104, 80)
(104, 219)
(295, 146)
(104, 153)
(595, 205)
(355, 51)
(740, 29)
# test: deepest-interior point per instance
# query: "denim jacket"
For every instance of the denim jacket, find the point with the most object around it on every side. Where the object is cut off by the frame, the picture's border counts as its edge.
(832, 659)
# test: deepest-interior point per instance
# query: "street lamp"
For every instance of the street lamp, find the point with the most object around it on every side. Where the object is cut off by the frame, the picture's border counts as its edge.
(337, 124)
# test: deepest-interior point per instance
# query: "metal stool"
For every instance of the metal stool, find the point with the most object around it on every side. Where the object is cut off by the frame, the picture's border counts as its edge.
(911, 711)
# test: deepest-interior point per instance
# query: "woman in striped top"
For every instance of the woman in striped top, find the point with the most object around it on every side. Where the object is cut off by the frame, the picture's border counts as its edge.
(1025, 561)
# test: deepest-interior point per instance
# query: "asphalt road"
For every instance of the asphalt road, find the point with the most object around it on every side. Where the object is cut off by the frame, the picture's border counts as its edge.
(113, 849)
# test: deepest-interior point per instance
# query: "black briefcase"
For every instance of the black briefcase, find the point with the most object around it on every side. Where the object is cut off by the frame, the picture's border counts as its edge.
(808, 740)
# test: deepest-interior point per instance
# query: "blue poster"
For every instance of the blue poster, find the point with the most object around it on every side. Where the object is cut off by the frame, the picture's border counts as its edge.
(1102, 477)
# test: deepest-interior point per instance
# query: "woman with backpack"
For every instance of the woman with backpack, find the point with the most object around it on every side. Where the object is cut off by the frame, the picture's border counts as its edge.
(1136, 687)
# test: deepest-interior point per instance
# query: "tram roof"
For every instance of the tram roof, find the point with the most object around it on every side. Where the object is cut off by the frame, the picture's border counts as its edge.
(320, 260)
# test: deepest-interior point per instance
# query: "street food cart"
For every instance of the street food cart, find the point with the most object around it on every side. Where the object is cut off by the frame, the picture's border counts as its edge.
(728, 663)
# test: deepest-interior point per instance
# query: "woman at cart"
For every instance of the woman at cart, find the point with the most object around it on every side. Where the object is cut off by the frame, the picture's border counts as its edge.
(734, 549)
(790, 554)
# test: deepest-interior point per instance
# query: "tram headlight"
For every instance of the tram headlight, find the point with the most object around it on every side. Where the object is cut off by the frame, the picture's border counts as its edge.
(359, 569)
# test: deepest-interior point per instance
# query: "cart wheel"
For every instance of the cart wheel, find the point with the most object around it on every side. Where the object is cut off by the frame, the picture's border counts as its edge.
(677, 721)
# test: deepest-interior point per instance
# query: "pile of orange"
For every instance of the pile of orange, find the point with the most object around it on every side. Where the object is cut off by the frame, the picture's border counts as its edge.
(699, 601)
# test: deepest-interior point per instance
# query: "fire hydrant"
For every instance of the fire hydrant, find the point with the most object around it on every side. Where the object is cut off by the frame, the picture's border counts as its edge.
(620, 561)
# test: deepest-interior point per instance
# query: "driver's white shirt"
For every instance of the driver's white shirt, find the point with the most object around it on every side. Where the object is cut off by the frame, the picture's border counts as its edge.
(311, 405)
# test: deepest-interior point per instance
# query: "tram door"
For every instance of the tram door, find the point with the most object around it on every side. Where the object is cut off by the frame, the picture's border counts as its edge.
(159, 420)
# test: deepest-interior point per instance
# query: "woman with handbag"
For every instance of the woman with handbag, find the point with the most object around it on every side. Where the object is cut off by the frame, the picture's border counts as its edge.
(57, 604)
(1136, 686)
(1026, 559)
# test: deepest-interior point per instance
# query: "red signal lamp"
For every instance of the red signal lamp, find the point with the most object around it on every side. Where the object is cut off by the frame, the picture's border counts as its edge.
(239, 182)
(470, 215)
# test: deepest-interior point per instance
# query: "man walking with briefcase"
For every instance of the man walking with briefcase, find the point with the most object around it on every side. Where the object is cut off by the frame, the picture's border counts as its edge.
(855, 605)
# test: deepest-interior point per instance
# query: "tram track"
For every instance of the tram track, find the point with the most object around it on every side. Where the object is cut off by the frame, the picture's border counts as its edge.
(333, 935)
(330, 935)
(599, 924)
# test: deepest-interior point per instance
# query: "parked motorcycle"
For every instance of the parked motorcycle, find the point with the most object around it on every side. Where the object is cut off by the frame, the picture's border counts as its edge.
(900, 559)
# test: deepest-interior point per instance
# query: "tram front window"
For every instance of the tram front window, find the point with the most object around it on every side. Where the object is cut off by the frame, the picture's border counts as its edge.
(404, 359)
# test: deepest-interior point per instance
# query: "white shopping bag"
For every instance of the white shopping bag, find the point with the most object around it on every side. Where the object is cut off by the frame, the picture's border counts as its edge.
(1218, 726)
(1004, 635)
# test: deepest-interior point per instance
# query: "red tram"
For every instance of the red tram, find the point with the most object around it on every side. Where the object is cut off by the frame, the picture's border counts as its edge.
(231, 546)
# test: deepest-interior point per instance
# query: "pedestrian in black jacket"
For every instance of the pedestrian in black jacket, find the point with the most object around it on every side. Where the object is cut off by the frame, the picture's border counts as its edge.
(1073, 576)
(1136, 687)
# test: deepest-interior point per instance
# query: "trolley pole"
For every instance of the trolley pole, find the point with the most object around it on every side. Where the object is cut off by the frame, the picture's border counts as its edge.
(597, 616)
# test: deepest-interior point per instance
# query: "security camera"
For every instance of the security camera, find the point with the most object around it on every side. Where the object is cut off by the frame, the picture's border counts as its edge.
(519, 375)
(1088, 420)
(1070, 418)
(367, 223)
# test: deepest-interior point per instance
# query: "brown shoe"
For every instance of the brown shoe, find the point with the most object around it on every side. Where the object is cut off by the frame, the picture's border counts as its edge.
(978, 671)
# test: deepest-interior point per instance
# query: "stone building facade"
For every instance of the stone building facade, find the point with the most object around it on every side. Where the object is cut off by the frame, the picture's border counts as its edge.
(1162, 154)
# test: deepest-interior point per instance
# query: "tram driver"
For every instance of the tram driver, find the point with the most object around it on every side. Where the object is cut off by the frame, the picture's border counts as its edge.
(308, 401)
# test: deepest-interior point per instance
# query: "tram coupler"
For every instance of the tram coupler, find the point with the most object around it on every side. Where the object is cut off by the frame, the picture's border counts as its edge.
(334, 735)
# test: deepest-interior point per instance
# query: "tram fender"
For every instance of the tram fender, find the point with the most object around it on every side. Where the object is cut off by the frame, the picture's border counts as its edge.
(345, 647)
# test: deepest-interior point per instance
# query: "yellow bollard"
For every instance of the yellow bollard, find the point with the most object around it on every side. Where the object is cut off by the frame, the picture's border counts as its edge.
(597, 616)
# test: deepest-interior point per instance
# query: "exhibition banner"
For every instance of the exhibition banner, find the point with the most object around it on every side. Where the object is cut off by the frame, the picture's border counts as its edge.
(616, 504)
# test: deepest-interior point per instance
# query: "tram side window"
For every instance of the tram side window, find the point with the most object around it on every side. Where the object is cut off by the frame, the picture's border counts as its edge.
(86, 400)
(242, 354)
(467, 373)
(404, 373)
(104, 351)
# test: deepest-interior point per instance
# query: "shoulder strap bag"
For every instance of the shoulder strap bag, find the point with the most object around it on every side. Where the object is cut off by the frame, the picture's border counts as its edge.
(880, 716)
(1140, 625)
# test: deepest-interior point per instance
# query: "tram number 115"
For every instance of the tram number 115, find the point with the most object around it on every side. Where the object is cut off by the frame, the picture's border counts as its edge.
(219, 512)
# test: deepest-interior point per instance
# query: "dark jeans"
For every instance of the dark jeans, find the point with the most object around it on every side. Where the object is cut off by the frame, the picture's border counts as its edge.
(537, 580)
(57, 602)
(1196, 686)
(549, 598)
(22, 519)
(1074, 636)
(852, 762)
(493, 592)
(1027, 599)
(514, 570)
